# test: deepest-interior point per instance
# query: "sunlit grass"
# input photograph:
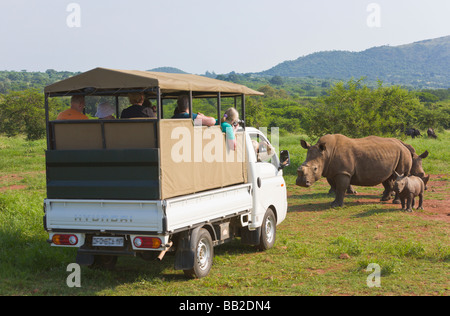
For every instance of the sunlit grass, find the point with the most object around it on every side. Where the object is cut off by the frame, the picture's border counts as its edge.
(319, 250)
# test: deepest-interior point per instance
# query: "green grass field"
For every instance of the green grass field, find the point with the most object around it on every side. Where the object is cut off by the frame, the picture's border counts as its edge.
(319, 250)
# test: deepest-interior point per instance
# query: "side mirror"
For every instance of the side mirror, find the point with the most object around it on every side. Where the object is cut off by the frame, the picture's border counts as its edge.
(285, 159)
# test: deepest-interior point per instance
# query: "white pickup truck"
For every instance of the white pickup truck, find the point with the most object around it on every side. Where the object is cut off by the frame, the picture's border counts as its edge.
(141, 188)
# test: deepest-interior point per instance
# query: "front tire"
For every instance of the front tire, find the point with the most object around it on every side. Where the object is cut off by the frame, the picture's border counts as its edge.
(268, 230)
(204, 253)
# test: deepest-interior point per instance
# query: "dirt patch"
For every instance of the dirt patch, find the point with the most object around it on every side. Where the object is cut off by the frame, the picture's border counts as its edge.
(13, 187)
(12, 181)
(436, 201)
(9, 178)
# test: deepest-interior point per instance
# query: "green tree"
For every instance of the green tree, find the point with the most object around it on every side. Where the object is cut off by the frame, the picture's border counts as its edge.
(356, 110)
(255, 114)
(23, 112)
(276, 80)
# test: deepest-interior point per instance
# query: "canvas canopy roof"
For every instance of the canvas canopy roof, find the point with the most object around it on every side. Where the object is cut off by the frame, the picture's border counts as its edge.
(113, 81)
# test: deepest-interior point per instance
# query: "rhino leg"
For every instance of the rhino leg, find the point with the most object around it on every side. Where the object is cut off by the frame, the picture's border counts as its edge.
(332, 186)
(409, 203)
(350, 190)
(396, 199)
(402, 200)
(420, 207)
(342, 183)
(388, 188)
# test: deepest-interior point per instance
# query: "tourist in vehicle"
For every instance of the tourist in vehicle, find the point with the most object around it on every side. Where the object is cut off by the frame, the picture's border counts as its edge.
(105, 111)
(151, 109)
(263, 150)
(229, 125)
(136, 109)
(182, 111)
(75, 112)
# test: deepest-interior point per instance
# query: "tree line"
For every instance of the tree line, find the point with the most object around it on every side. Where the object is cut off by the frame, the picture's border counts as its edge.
(353, 108)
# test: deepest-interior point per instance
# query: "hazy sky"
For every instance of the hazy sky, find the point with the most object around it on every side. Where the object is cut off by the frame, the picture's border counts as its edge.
(204, 35)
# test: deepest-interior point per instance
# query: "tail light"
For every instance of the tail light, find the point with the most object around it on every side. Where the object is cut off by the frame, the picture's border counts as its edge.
(147, 242)
(65, 240)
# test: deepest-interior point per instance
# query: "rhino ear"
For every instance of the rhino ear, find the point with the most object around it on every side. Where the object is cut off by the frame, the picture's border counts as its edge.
(322, 147)
(305, 144)
(424, 155)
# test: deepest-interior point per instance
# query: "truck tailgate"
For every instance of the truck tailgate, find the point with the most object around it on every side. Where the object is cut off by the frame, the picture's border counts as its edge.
(104, 215)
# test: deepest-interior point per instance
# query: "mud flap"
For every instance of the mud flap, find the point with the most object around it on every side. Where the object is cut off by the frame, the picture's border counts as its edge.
(185, 254)
(251, 237)
(85, 259)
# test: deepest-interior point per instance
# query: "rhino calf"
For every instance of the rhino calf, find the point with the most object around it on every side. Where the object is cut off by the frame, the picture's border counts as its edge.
(407, 189)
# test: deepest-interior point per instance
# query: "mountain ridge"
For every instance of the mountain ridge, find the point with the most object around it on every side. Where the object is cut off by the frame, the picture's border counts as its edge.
(425, 62)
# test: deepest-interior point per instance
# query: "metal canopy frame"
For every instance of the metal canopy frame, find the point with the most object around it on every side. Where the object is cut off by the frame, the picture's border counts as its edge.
(154, 92)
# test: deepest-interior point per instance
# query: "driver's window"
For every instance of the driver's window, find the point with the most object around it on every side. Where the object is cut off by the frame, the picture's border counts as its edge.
(263, 149)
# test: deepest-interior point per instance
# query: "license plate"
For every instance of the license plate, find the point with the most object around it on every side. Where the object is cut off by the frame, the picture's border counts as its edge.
(107, 241)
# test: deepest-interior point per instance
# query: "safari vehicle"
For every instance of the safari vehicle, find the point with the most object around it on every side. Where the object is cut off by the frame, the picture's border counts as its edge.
(142, 187)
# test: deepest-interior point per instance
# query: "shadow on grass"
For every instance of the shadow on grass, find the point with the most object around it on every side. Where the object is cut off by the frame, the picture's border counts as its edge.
(130, 269)
(46, 268)
(307, 202)
(372, 212)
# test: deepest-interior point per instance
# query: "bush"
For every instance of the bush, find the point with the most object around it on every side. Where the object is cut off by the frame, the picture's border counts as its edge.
(356, 110)
(23, 112)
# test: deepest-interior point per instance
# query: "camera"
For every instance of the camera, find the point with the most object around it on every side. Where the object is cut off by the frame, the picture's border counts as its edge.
(239, 122)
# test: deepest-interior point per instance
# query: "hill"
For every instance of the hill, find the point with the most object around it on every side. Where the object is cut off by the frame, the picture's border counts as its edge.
(424, 64)
(171, 70)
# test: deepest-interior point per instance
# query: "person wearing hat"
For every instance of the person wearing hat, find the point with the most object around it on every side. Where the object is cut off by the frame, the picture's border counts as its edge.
(105, 111)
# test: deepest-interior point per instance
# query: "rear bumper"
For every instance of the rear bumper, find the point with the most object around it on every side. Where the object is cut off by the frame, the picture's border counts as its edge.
(84, 243)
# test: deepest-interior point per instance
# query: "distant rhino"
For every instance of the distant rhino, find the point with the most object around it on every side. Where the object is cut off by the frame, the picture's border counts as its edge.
(343, 161)
(413, 132)
(431, 133)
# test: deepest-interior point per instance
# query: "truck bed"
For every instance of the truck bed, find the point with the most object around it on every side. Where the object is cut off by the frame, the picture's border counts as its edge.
(144, 216)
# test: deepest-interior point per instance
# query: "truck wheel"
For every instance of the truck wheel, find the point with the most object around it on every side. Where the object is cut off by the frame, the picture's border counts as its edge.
(203, 258)
(268, 230)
